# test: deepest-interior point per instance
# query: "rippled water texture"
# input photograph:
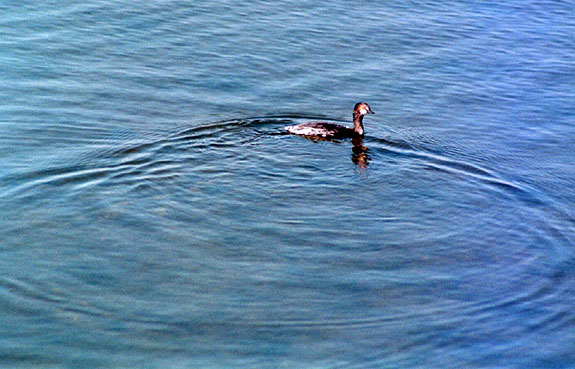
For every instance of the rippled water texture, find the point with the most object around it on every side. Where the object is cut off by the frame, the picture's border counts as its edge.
(154, 213)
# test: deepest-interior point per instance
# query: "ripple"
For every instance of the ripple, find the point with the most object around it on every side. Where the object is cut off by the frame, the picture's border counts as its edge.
(282, 236)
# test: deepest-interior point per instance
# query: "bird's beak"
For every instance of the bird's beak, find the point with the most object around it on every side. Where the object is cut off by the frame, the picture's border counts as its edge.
(370, 111)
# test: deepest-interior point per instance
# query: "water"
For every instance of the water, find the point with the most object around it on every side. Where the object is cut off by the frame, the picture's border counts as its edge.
(153, 215)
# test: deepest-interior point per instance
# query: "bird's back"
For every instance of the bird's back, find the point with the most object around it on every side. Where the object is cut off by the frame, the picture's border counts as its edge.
(321, 129)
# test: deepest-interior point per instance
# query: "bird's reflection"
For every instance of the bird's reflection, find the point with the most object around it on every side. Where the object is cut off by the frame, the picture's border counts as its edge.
(360, 153)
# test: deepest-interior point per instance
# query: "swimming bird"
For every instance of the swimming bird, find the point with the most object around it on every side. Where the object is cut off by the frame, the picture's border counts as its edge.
(330, 130)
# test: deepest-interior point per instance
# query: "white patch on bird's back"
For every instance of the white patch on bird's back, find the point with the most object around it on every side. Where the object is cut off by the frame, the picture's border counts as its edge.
(306, 130)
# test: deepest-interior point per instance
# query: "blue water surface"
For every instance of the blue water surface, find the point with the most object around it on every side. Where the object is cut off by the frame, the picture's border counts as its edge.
(153, 214)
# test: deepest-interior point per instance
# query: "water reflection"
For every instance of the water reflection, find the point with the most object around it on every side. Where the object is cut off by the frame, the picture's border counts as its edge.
(360, 153)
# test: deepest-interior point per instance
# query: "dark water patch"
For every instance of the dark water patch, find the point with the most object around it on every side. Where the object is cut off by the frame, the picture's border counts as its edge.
(18, 293)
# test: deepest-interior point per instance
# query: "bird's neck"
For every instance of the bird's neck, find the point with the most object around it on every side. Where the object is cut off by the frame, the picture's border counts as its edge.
(358, 123)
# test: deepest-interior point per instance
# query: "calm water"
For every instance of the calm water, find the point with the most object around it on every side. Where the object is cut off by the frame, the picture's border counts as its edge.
(153, 215)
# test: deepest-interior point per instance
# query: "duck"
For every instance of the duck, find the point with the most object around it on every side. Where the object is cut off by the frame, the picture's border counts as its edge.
(331, 130)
